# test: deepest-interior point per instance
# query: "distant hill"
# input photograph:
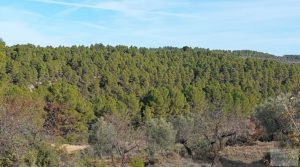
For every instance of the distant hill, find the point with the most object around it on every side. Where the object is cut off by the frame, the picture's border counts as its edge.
(115, 99)
(164, 81)
(88, 81)
(286, 58)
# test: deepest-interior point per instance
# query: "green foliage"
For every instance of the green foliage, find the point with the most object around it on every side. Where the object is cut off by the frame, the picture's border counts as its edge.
(37, 156)
(114, 135)
(20, 127)
(158, 101)
(136, 162)
(102, 137)
(184, 127)
(79, 82)
(30, 158)
(279, 115)
(196, 98)
(47, 156)
(7, 159)
(201, 147)
(2, 58)
(160, 136)
(65, 90)
(271, 115)
(68, 113)
(123, 75)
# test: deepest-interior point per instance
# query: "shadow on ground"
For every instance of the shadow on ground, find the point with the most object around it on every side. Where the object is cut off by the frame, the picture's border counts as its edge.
(229, 163)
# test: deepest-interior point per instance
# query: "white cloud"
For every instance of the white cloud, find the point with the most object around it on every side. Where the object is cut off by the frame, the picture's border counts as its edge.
(18, 32)
(16, 26)
(95, 26)
(226, 24)
(136, 8)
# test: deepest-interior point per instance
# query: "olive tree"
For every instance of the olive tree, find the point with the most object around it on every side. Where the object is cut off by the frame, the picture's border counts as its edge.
(185, 133)
(21, 119)
(280, 115)
(114, 134)
(18, 134)
(217, 126)
(160, 136)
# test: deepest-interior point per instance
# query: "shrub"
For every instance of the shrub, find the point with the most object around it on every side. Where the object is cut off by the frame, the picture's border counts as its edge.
(47, 156)
(136, 162)
(160, 136)
(201, 148)
(30, 158)
(6, 159)
(184, 126)
(102, 137)
(115, 134)
(279, 115)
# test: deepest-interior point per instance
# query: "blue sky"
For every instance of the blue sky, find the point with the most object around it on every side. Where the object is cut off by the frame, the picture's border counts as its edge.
(271, 26)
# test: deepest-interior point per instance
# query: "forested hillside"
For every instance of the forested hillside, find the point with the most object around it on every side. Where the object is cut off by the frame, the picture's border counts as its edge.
(85, 82)
(107, 96)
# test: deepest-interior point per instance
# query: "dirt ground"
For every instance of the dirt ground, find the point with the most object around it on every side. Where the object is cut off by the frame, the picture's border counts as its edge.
(72, 148)
(233, 156)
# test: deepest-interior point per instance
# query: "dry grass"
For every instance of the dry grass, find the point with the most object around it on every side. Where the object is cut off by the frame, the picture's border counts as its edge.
(68, 148)
(249, 154)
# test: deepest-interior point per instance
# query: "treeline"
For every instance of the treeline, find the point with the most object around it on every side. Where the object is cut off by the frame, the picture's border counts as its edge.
(80, 83)
(68, 93)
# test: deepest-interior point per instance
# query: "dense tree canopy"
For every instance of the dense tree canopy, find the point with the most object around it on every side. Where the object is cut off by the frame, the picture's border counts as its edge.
(129, 101)
(80, 83)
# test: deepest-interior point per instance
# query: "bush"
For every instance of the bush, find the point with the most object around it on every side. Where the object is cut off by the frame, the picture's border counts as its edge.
(102, 137)
(277, 115)
(201, 148)
(115, 134)
(136, 162)
(30, 158)
(47, 156)
(6, 159)
(269, 115)
(160, 136)
(184, 127)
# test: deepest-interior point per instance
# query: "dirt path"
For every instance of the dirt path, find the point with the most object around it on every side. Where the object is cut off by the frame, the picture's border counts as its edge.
(72, 148)
(249, 154)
